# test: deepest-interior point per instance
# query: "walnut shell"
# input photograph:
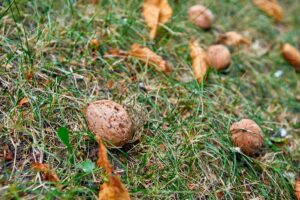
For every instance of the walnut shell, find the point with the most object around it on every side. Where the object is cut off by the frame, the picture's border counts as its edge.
(201, 16)
(219, 56)
(110, 121)
(248, 136)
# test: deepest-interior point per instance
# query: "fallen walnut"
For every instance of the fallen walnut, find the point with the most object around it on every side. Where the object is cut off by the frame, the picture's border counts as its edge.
(248, 136)
(219, 56)
(110, 121)
(292, 55)
(201, 16)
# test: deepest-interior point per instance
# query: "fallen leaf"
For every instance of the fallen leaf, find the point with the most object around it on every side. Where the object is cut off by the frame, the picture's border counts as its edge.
(220, 194)
(24, 101)
(95, 2)
(156, 13)
(200, 62)
(292, 55)
(114, 188)
(103, 160)
(49, 174)
(148, 56)
(29, 75)
(297, 189)
(110, 84)
(7, 154)
(95, 44)
(116, 53)
(144, 54)
(233, 38)
(271, 7)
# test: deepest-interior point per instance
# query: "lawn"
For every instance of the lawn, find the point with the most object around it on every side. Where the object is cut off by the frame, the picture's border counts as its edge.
(183, 148)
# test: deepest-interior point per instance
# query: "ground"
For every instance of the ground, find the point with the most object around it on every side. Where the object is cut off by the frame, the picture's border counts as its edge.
(184, 150)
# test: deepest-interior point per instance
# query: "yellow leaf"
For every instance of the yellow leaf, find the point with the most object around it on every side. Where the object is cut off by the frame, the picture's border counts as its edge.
(148, 56)
(271, 7)
(233, 38)
(49, 174)
(156, 12)
(292, 55)
(199, 58)
(114, 188)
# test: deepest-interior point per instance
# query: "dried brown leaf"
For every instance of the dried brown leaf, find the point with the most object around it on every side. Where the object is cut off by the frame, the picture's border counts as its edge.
(156, 12)
(95, 44)
(114, 188)
(103, 160)
(29, 75)
(49, 174)
(233, 38)
(110, 84)
(271, 7)
(7, 153)
(292, 55)
(24, 101)
(144, 54)
(200, 62)
(116, 53)
(297, 189)
(95, 2)
(148, 56)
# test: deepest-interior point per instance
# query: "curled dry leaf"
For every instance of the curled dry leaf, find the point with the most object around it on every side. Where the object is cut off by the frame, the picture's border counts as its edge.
(292, 55)
(156, 12)
(144, 54)
(297, 189)
(24, 101)
(200, 63)
(148, 56)
(233, 38)
(49, 174)
(271, 7)
(248, 136)
(114, 188)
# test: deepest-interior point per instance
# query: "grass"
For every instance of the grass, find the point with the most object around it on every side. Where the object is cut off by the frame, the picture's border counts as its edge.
(185, 150)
